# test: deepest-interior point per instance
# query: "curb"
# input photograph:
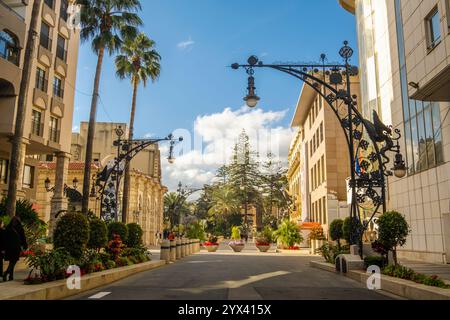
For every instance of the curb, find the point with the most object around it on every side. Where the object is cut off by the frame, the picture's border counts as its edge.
(58, 289)
(403, 288)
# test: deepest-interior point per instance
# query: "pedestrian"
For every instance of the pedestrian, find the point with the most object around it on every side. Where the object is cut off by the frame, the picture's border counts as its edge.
(2, 247)
(14, 243)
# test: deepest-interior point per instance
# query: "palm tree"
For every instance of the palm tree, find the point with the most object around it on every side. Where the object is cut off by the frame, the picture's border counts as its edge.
(105, 23)
(17, 139)
(174, 204)
(224, 201)
(139, 62)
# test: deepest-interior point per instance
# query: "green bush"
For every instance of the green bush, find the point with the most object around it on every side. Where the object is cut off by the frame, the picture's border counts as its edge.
(72, 233)
(135, 234)
(196, 231)
(330, 252)
(51, 265)
(336, 232)
(375, 261)
(117, 228)
(98, 234)
(351, 230)
(235, 233)
(265, 236)
(405, 273)
(392, 231)
(288, 234)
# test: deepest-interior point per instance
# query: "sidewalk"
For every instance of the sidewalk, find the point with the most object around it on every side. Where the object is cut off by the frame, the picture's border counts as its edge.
(441, 270)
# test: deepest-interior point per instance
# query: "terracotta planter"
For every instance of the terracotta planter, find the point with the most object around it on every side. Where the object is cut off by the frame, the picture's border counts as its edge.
(237, 248)
(212, 248)
(263, 247)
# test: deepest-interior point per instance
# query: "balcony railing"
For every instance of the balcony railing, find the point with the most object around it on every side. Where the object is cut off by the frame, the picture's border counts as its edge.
(45, 41)
(61, 53)
(37, 128)
(54, 135)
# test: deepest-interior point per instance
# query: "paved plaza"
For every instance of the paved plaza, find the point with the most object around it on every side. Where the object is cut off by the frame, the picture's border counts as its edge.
(249, 275)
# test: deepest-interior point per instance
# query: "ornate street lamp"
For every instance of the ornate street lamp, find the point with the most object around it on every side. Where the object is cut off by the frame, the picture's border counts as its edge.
(368, 143)
(108, 181)
(49, 188)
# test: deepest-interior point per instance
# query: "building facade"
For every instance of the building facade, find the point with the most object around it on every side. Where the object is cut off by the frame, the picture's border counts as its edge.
(318, 161)
(405, 75)
(50, 100)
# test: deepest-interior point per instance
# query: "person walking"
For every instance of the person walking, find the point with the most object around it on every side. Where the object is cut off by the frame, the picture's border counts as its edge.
(14, 243)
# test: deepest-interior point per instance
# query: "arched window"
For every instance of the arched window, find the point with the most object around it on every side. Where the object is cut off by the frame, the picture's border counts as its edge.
(9, 48)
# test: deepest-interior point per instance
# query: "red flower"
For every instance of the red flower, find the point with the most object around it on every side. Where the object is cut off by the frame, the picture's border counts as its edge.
(27, 253)
(209, 244)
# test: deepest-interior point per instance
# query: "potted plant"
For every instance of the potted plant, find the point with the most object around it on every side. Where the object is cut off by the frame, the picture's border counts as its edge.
(236, 244)
(211, 245)
(316, 238)
(264, 239)
(287, 235)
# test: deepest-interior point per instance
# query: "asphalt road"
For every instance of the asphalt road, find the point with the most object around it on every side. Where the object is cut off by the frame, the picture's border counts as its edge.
(225, 275)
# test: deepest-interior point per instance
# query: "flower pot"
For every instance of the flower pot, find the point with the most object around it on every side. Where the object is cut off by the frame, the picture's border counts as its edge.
(212, 248)
(237, 247)
(263, 247)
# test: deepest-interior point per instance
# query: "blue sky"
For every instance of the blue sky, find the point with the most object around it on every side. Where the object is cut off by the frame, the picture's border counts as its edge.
(197, 40)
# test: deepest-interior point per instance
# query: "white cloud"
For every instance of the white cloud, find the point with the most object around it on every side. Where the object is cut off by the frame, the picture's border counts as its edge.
(211, 144)
(75, 128)
(186, 45)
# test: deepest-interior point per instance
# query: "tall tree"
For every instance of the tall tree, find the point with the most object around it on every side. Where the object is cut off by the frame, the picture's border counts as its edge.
(244, 174)
(274, 186)
(224, 201)
(17, 139)
(105, 23)
(139, 62)
(174, 207)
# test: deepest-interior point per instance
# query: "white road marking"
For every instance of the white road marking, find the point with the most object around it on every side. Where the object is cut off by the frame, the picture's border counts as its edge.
(99, 295)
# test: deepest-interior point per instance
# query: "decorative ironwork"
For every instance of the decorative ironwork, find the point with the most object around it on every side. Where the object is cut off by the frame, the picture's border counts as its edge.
(368, 142)
(108, 181)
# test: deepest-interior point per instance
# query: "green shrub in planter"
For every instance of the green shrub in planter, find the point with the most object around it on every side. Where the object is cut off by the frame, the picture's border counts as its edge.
(72, 233)
(98, 234)
(392, 231)
(351, 229)
(288, 234)
(336, 233)
(109, 264)
(118, 228)
(135, 234)
(375, 261)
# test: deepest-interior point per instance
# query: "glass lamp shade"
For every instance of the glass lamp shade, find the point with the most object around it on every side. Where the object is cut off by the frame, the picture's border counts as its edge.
(171, 160)
(75, 183)
(251, 100)
(400, 172)
(47, 183)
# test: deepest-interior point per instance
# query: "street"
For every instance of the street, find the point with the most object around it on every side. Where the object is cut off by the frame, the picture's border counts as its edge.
(225, 275)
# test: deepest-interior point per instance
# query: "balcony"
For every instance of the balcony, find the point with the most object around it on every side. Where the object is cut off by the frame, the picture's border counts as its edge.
(45, 54)
(49, 13)
(57, 106)
(54, 138)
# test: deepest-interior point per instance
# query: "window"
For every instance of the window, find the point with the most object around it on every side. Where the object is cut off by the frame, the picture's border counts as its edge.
(63, 10)
(4, 165)
(61, 51)
(28, 175)
(323, 168)
(36, 123)
(324, 206)
(54, 129)
(41, 79)
(433, 22)
(424, 148)
(50, 3)
(45, 40)
(321, 132)
(58, 87)
(49, 158)
(9, 49)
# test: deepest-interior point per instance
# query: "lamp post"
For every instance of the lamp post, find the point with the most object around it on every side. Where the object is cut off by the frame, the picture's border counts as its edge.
(368, 142)
(49, 188)
(108, 181)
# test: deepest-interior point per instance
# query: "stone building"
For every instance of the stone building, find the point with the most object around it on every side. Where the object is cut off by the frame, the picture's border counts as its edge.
(405, 75)
(49, 108)
(318, 161)
(147, 191)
